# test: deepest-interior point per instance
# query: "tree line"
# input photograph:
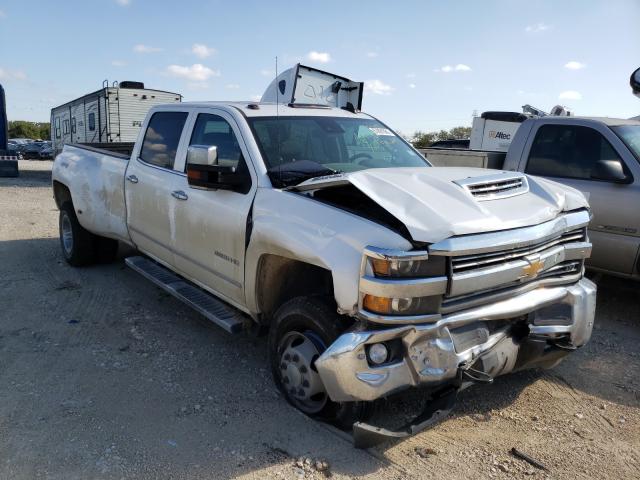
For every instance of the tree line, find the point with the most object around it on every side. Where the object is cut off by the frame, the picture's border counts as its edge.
(425, 139)
(24, 129)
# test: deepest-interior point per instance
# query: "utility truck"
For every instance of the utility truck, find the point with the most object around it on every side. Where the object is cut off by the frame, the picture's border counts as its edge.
(373, 272)
(598, 156)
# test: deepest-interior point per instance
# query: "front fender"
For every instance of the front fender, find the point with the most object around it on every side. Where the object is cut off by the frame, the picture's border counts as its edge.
(295, 226)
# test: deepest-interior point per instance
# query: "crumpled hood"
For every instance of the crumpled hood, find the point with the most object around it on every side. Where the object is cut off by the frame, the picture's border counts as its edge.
(433, 207)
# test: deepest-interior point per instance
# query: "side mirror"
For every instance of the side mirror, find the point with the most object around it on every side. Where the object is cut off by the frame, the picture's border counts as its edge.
(202, 155)
(634, 81)
(610, 171)
(204, 172)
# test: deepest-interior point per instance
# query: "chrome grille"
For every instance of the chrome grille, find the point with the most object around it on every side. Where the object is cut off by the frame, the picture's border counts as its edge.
(483, 260)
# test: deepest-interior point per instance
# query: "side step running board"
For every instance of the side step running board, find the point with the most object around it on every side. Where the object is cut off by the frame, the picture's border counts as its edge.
(215, 310)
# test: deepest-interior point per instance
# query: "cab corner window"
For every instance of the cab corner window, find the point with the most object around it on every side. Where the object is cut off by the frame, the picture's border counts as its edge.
(568, 151)
(92, 122)
(161, 139)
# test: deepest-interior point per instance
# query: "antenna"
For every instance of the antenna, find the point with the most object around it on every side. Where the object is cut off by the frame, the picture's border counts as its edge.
(278, 121)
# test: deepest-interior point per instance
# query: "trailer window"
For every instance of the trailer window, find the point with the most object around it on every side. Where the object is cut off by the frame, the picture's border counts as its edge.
(162, 137)
(73, 125)
(65, 127)
(568, 151)
(92, 122)
(58, 127)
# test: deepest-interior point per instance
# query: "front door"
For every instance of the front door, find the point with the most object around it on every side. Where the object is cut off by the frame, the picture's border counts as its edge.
(567, 154)
(211, 225)
(150, 182)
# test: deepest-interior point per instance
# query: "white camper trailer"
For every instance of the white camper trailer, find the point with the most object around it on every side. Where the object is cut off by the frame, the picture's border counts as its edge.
(112, 114)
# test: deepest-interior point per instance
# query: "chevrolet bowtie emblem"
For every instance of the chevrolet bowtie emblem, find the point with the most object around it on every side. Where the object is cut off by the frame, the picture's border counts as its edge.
(534, 267)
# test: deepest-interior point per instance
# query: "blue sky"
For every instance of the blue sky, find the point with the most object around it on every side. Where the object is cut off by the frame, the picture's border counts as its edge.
(427, 64)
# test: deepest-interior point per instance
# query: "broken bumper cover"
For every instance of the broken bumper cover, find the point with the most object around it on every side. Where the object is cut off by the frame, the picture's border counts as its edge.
(435, 353)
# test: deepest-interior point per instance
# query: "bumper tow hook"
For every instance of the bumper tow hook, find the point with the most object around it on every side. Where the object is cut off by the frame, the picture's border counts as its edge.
(438, 408)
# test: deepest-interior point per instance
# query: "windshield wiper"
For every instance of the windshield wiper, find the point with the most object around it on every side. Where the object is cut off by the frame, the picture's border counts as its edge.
(293, 173)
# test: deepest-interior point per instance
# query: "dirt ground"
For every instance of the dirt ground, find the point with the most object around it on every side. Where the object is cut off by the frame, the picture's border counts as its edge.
(104, 376)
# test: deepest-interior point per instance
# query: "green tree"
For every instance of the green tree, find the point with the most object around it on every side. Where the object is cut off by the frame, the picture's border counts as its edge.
(23, 129)
(425, 139)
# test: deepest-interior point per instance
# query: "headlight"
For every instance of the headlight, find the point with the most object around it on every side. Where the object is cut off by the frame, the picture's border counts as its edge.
(402, 283)
(407, 268)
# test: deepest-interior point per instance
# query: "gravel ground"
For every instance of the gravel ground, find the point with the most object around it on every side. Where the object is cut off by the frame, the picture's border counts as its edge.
(105, 376)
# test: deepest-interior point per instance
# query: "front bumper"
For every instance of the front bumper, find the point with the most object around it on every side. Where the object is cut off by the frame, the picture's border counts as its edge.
(436, 353)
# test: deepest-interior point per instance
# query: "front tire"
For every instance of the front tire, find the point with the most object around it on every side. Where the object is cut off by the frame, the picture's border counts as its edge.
(76, 242)
(302, 329)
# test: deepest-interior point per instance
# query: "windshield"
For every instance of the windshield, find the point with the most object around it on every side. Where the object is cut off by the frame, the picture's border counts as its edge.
(630, 135)
(298, 148)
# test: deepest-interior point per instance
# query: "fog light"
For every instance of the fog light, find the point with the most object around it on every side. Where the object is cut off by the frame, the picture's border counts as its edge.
(378, 353)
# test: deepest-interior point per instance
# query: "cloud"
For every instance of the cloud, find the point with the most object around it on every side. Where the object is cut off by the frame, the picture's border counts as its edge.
(378, 87)
(537, 27)
(318, 57)
(123, 3)
(232, 86)
(140, 48)
(372, 54)
(573, 65)
(570, 95)
(411, 75)
(196, 72)
(6, 74)
(412, 85)
(460, 67)
(200, 50)
(118, 63)
(265, 72)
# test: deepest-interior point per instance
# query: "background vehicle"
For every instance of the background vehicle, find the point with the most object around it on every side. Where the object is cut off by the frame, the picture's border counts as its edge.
(112, 114)
(32, 150)
(598, 156)
(46, 152)
(8, 159)
(372, 272)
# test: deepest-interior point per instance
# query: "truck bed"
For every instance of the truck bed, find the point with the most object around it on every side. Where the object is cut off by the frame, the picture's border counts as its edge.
(95, 179)
(462, 157)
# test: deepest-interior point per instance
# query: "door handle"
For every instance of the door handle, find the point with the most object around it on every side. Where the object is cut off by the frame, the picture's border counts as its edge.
(179, 194)
(132, 178)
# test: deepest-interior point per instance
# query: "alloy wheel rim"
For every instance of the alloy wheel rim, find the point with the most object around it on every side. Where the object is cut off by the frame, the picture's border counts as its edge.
(67, 234)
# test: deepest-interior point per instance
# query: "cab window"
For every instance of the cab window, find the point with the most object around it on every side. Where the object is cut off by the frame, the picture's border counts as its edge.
(568, 151)
(213, 130)
(161, 139)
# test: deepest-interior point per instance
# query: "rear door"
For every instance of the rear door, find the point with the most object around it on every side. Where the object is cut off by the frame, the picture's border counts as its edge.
(567, 153)
(150, 181)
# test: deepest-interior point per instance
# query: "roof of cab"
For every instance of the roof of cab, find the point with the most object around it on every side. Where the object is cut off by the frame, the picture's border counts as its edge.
(611, 122)
(248, 109)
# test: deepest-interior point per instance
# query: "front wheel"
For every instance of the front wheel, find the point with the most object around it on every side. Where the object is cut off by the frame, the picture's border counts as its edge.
(302, 329)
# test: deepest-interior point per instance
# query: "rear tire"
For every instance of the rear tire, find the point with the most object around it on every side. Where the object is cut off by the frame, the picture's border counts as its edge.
(301, 330)
(76, 242)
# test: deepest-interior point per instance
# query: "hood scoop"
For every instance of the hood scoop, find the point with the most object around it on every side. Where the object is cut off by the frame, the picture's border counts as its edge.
(496, 186)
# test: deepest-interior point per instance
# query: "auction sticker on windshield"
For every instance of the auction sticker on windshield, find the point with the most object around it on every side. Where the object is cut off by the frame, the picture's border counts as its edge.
(381, 131)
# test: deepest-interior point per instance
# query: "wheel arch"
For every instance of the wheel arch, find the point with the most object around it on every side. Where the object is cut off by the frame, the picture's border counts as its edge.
(280, 279)
(61, 193)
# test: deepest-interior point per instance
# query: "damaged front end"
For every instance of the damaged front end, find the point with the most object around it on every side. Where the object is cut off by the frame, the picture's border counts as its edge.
(464, 311)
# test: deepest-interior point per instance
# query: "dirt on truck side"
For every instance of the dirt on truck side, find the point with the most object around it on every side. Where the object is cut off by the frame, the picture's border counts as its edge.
(106, 376)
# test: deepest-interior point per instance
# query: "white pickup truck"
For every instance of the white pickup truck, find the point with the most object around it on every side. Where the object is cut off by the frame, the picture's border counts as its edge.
(373, 272)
